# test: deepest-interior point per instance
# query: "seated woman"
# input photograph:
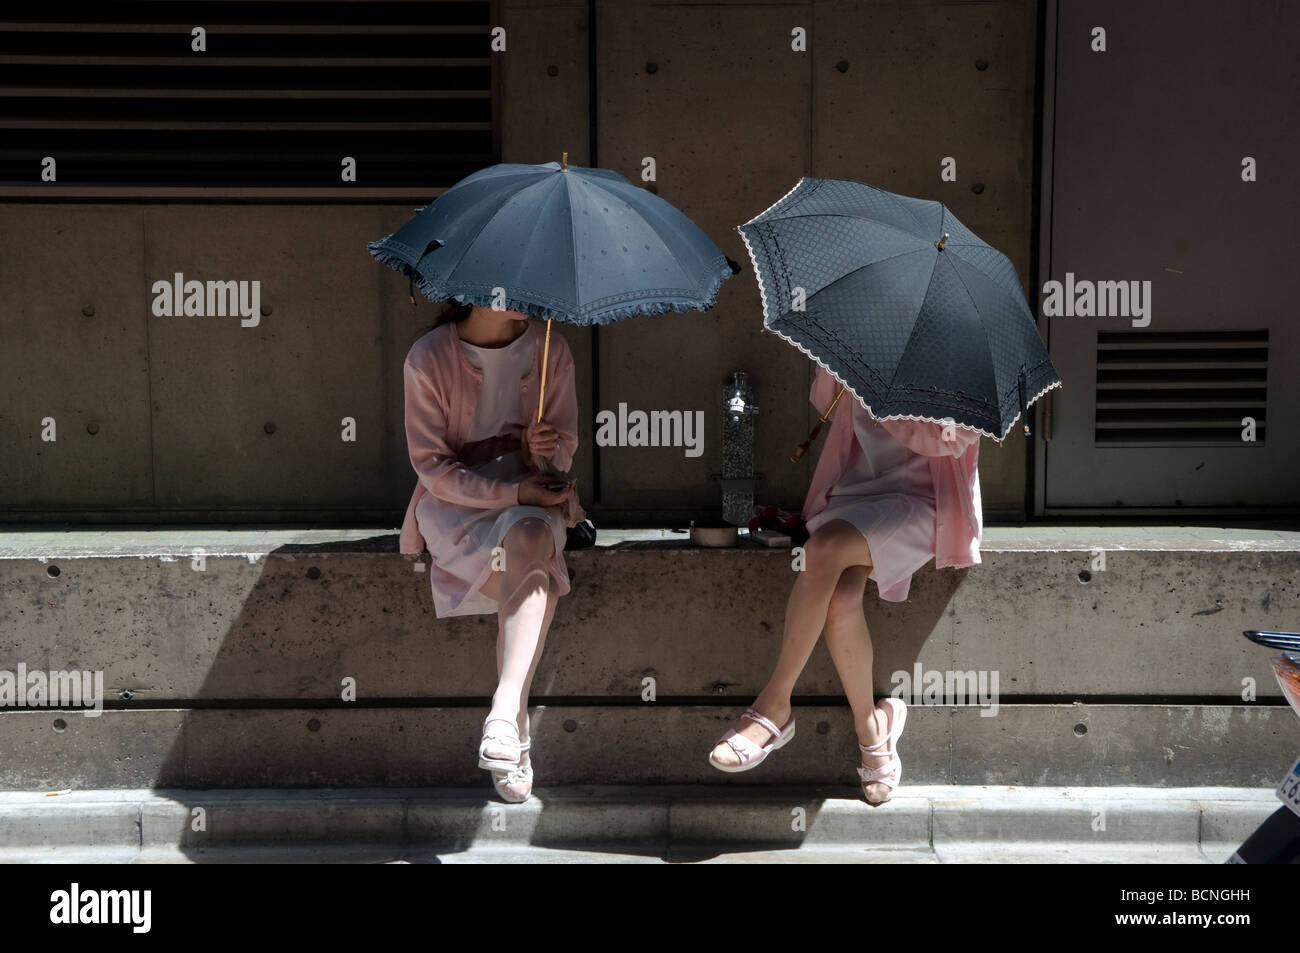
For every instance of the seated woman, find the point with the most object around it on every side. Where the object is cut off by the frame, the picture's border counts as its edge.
(886, 497)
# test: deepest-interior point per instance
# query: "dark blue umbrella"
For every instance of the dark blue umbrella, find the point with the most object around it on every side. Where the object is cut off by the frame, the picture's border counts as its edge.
(566, 242)
(562, 242)
(902, 303)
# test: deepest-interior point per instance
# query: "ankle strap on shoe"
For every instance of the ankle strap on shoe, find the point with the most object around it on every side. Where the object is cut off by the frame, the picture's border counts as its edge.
(752, 715)
(886, 773)
(495, 733)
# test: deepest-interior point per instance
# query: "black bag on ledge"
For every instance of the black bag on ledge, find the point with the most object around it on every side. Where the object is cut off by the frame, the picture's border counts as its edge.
(581, 535)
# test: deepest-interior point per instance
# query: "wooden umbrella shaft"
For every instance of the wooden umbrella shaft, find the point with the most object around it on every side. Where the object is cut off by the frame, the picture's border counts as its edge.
(827, 416)
(546, 359)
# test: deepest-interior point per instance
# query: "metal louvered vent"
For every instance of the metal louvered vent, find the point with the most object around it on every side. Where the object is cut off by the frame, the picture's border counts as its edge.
(115, 95)
(1180, 388)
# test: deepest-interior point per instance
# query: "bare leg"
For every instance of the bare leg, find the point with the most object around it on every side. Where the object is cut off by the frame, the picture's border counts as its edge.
(518, 787)
(551, 601)
(832, 549)
(525, 609)
(492, 589)
(849, 643)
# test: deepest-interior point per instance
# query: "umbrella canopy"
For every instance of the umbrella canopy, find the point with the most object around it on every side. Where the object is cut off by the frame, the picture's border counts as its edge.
(562, 241)
(901, 302)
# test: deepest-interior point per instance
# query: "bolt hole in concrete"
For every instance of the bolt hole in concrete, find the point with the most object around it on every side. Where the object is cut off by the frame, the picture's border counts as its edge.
(52, 571)
(570, 725)
(1085, 577)
(127, 694)
(313, 573)
(823, 727)
(1080, 730)
(60, 724)
(313, 724)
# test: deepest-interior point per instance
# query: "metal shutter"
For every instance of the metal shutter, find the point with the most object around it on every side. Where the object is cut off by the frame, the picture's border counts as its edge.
(1180, 388)
(284, 91)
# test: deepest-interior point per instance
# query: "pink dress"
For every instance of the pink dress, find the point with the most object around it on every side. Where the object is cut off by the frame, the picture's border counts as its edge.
(466, 408)
(913, 495)
(888, 494)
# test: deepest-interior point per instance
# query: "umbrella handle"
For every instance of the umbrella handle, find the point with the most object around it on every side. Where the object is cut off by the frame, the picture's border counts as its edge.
(800, 450)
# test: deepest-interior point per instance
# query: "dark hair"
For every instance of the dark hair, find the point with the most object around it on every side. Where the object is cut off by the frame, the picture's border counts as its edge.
(453, 312)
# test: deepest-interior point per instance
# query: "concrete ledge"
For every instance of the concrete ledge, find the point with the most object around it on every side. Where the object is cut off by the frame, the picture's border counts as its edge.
(16, 542)
(959, 823)
(213, 658)
(288, 615)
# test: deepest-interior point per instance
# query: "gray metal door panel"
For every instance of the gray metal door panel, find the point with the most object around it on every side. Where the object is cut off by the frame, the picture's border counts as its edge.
(1147, 143)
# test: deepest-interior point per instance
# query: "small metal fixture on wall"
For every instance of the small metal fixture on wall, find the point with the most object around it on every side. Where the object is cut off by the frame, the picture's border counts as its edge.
(738, 412)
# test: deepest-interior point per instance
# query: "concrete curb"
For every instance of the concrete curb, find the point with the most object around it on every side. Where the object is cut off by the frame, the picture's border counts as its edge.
(943, 822)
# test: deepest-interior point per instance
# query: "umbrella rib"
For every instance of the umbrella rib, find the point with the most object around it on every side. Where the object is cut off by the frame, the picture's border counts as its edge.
(486, 222)
(919, 223)
(573, 245)
(870, 264)
(974, 305)
(667, 246)
(998, 394)
(680, 267)
(860, 218)
(890, 386)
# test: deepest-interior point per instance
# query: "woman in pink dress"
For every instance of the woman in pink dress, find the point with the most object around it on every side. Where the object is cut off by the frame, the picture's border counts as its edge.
(493, 525)
(886, 498)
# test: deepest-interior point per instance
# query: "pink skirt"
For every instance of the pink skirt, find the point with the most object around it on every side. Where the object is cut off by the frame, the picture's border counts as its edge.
(460, 540)
(899, 529)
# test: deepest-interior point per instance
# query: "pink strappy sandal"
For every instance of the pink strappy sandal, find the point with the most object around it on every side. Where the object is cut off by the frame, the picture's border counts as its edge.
(509, 741)
(516, 784)
(891, 772)
(750, 754)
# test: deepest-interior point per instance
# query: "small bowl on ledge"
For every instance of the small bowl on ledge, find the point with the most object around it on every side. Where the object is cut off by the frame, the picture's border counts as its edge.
(720, 536)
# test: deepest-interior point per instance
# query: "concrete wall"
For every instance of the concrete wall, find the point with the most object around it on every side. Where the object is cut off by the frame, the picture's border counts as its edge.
(234, 674)
(181, 407)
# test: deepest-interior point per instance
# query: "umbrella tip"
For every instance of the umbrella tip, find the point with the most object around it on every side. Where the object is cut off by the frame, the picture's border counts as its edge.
(939, 243)
(564, 162)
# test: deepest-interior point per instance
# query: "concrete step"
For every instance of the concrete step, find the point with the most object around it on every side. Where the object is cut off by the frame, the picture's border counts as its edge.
(922, 824)
(1161, 745)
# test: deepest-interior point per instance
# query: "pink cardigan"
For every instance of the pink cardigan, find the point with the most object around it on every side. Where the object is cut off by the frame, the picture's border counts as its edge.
(959, 518)
(442, 389)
